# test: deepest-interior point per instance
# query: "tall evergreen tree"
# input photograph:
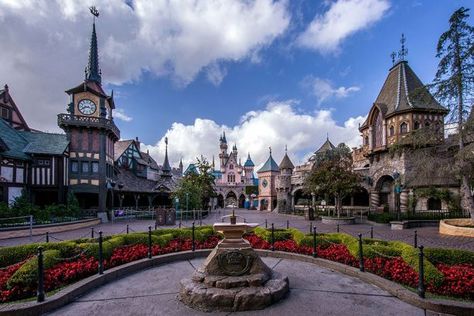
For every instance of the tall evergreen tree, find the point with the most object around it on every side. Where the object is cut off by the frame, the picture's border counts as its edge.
(454, 86)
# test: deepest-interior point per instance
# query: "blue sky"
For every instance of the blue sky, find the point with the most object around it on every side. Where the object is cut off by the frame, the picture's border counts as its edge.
(329, 78)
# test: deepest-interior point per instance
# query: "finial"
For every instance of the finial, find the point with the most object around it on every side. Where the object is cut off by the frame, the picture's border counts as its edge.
(94, 12)
(166, 141)
(327, 136)
(403, 51)
(393, 55)
(270, 148)
(5, 87)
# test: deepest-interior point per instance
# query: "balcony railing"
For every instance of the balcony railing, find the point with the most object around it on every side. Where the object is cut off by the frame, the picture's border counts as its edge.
(88, 121)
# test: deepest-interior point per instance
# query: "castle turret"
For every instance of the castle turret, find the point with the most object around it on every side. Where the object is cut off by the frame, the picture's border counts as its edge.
(283, 184)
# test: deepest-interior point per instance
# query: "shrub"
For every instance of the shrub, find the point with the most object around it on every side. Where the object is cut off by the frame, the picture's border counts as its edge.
(108, 246)
(449, 256)
(266, 234)
(27, 275)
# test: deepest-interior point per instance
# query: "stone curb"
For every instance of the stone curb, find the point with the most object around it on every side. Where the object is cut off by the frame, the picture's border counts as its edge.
(440, 306)
(71, 292)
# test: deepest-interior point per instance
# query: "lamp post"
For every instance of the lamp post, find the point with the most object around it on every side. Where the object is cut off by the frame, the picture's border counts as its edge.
(111, 186)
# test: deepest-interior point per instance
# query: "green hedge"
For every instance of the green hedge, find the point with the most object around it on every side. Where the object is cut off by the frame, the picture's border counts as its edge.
(28, 273)
(449, 256)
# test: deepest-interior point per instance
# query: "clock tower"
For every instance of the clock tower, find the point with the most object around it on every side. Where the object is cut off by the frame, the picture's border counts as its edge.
(92, 133)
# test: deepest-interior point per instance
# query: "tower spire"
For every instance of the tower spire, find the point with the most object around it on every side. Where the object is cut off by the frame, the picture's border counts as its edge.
(166, 164)
(92, 69)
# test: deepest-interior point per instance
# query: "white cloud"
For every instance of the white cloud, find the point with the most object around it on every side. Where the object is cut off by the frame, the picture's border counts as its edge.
(343, 18)
(323, 89)
(45, 43)
(276, 126)
(120, 114)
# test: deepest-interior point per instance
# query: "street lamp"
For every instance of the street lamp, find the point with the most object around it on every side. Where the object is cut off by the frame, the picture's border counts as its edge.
(176, 200)
(187, 205)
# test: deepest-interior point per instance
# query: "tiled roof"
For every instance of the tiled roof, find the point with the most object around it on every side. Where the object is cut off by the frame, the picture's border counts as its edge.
(14, 141)
(270, 165)
(325, 147)
(249, 162)
(133, 183)
(150, 161)
(403, 90)
(286, 163)
(45, 143)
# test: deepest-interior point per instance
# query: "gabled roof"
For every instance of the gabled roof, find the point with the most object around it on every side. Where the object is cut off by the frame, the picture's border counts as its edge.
(45, 143)
(3, 146)
(120, 147)
(6, 99)
(90, 86)
(403, 91)
(149, 160)
(269, 165)
(133, 183)
(286, 163)
(191, 169)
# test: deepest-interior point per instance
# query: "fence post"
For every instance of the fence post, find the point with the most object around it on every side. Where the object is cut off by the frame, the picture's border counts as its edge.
(101, 258)
(337, 228)
(361, 255)
(372, 232)
(266, 225)
(92, 232)
(156, 226)
(47, 236)
(31, 227)
(421, 273)
(315, 254)
(127, 228)
(273, 237)
(287, 224)
(193, 245)
(149, 242)
(310, 227)
(415, 240)
(40, 290)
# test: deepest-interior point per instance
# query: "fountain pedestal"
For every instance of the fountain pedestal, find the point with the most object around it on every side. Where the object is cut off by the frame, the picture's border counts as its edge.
(233, 277)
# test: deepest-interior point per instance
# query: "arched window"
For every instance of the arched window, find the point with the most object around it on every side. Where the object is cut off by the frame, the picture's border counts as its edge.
(231, 166)
(403, 128)
(416, 125)
(392, 131)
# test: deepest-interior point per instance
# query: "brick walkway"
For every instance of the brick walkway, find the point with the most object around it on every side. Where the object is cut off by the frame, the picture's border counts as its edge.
(427, 236)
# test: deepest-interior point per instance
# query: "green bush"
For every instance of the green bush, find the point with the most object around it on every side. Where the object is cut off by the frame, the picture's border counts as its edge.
(108, 246)
(266, 234)
(297, 235)
(28, 273)
(383, 218)
(449, 256)
(15, 254)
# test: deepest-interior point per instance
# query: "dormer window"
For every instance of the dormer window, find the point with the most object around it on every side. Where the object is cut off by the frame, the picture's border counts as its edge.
(5, 113)
(403, 128)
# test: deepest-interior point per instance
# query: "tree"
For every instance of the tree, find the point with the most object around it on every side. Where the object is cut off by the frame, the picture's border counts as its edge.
(454, 86)
(196, 188)
(332, 175)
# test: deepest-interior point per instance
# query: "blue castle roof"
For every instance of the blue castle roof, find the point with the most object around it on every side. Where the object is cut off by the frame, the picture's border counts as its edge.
(249, 162)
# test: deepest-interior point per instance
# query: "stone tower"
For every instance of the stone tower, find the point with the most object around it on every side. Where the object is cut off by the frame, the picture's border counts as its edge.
(267, 197)
(223, 155)
(283, 185)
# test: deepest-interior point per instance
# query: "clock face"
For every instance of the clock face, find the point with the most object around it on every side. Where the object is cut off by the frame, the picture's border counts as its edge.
(265, 183)
(87, 107)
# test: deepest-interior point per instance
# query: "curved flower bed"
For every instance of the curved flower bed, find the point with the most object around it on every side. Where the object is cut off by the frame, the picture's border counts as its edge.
(457, 278)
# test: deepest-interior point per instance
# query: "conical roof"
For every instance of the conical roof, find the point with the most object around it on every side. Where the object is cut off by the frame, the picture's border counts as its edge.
(166, 170)
(92, 69)
(286, 163)
(249, 162)
(327, 146)
(269, 165)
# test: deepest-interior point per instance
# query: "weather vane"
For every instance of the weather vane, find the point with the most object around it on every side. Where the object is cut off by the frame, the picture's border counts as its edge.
(270, 150)
(94, 12)
(403, 52)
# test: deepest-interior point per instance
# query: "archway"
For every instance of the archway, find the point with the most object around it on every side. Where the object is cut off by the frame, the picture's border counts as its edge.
(385, 186)
(242, 201)
(231, 199)
(434, 204)
(263, 204)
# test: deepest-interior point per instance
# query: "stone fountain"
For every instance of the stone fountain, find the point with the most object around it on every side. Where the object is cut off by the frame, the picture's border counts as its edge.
(233, 277)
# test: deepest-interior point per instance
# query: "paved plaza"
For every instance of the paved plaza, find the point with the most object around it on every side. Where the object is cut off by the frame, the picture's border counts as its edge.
(313, 291)
(427, 236)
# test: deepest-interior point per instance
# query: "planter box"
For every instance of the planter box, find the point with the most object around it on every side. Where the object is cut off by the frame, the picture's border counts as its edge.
(338, 220)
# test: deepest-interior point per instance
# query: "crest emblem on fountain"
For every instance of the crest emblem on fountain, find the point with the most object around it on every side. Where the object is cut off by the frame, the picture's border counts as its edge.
(234, 263)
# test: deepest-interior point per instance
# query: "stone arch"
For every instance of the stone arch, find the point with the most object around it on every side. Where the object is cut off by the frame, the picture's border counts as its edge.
(361, 197)
(299, 196)
(385, 187)
(404, 128)
(231, 198)
(220, 200)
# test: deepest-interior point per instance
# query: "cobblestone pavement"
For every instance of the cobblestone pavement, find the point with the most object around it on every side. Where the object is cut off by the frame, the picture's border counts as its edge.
(427, 236)
(313, 291)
